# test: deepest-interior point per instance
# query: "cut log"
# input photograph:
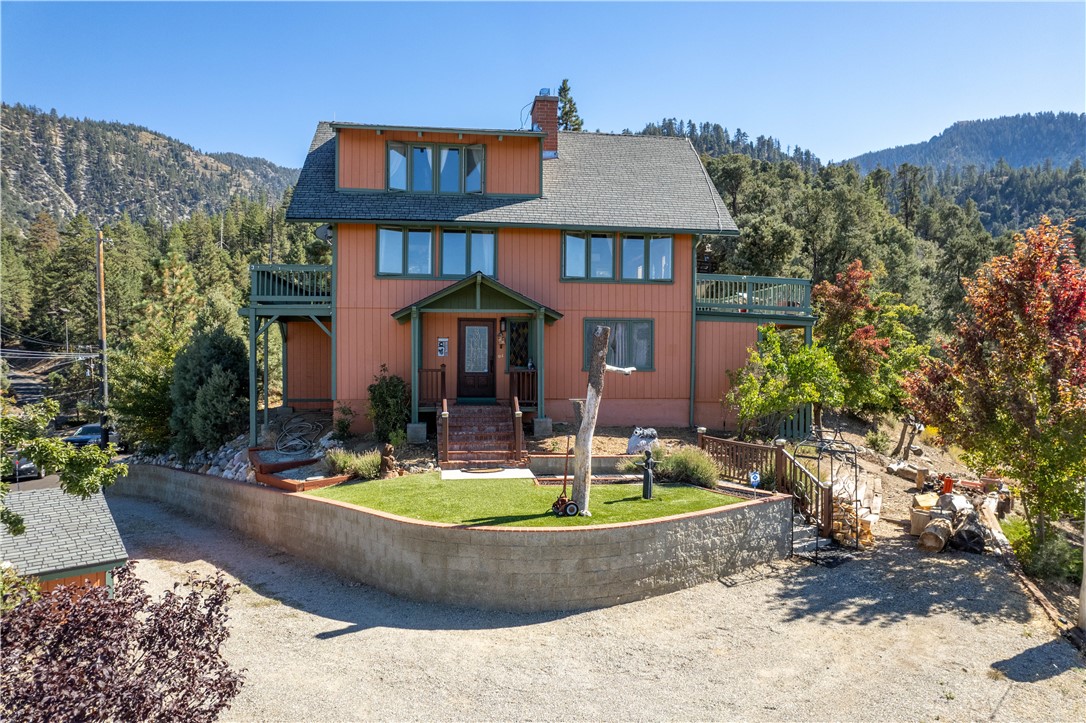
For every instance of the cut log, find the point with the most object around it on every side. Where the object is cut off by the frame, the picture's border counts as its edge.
(935, 535)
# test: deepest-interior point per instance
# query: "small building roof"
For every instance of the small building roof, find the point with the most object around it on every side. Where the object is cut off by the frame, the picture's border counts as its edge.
(478, 292)
(598, 182)
(63, 532)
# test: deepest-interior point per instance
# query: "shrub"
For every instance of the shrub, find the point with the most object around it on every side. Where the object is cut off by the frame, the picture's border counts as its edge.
(397, 438)
(341, 425)
(636, 465)
(89, 653)
(390, 404)
(689, 465)
(1053, 559)
(878, 440)
(193, 369)
(364, 466)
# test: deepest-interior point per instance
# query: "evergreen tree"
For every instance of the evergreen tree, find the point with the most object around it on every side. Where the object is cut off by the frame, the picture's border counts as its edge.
(568, 120)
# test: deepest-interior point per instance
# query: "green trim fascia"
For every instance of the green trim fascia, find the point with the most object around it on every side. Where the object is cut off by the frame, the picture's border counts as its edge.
(289, 310)
(338, 187)
(476, 279)
(598, 321)
(693, 325)
(796, 321)
(81, 570)
(461, 221)
(335, 304)
(431, 129)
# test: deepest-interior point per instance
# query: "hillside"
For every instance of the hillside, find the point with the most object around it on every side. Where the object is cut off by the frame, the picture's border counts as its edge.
(1020, 140)
(65, 166)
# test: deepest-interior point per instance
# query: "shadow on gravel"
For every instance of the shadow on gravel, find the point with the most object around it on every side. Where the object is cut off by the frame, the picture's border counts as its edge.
(154, 532)
(1047, 660)
(897, 582)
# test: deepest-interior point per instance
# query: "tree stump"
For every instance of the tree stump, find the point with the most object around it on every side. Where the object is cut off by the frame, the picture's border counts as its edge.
(935, 535)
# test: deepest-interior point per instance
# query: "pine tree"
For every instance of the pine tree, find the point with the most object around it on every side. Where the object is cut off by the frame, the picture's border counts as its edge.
(568, 120)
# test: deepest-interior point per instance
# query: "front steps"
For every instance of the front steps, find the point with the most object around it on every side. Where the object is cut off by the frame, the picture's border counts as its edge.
(480, 436)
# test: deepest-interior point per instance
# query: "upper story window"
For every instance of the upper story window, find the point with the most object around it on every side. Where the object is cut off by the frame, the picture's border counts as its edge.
(405, 252)
(464, 252)
(647, 258)
(426, 167)
(592, 257)
(588, 256)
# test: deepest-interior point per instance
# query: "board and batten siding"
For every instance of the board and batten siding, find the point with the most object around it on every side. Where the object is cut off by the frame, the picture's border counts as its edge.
(309, 364)
(529, 261)
(512, 164)
(722, 347)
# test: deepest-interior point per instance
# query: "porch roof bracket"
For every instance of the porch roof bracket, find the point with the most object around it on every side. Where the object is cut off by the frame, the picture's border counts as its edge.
(267, 325)
(320, 324)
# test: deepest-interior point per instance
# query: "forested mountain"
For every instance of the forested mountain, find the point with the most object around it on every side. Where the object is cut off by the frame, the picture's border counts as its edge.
(713, 139)
(1019, 140)
(63, 166)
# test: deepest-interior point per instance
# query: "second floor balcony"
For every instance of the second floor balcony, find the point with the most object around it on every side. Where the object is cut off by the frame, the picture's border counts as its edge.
(294, 285)
(758, 295)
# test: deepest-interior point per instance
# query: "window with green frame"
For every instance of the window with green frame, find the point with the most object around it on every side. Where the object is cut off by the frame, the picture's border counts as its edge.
(519, 343)
(430, 167)
(631, 345)
(647, 258)
(405, 251)
(465, 251)
(589, 256)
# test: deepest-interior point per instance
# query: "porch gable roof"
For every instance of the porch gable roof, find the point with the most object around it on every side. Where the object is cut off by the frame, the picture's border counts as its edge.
(478, 292)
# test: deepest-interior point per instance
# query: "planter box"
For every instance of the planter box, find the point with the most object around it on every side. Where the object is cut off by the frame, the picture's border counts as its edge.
(269, 467)
(299, 485)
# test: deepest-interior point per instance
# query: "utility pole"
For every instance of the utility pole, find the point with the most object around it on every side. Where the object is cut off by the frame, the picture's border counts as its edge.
(102, 335)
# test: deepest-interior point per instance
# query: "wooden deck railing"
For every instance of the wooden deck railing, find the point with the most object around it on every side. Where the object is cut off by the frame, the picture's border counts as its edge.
(431, 386)
(290, 283)
(518, 431)
(522, 385)
(778, 470)
(763, 295)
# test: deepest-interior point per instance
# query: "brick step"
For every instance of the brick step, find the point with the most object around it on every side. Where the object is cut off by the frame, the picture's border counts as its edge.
(487, 453)
(483, 436)
(489, 429)
(485, 448)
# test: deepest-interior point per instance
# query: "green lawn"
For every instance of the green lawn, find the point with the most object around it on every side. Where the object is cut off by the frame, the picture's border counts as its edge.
(515, 502)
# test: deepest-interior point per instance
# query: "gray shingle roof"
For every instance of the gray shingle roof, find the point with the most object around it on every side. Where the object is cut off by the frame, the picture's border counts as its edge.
(599, 181)
(63, 532)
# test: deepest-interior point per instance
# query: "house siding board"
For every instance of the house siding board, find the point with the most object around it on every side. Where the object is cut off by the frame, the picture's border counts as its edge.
(309, 364)
(722, 347)
(512, 164)
(529, 261)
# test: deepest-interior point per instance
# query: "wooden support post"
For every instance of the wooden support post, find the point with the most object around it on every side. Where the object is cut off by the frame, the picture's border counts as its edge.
(539, 365)
(252, 378)
(582, 448)
(267, 330)
(415, 344)
(778, 465)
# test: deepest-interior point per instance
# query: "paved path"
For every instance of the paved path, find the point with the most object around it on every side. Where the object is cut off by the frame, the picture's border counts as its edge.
(893, 636)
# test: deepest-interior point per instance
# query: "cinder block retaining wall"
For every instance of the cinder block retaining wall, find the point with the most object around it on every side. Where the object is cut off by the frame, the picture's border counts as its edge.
(518, 569)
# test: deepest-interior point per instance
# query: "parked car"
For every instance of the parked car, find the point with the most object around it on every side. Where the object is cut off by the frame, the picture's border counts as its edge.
(91, 434)
(22, 469)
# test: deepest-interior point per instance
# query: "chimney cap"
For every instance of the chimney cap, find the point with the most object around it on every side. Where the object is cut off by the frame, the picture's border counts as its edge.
(544, 92)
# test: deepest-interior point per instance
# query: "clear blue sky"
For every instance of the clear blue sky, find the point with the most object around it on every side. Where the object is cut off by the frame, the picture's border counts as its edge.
(254, 78)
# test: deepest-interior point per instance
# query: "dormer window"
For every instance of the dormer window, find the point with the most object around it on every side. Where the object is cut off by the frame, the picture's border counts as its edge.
(426, 167)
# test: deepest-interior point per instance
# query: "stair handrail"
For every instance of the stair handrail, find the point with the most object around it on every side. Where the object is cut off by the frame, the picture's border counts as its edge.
(812, 499)
(518, 431)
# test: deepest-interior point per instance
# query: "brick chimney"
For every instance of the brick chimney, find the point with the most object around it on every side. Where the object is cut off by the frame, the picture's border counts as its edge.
(545, 118)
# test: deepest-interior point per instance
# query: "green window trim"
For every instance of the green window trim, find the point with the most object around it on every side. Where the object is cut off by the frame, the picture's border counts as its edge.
(618, 245)
(404, 232)
(468, 232)
(407, 148)
(628, 339)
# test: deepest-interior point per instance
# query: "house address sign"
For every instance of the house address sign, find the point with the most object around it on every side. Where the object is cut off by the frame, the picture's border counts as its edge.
(443, 346)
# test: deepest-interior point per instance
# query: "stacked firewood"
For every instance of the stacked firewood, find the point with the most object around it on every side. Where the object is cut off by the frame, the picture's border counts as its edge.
(952, 521)
(850, 526)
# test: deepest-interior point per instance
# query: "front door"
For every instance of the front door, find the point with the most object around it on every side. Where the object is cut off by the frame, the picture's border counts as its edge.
(475, 378)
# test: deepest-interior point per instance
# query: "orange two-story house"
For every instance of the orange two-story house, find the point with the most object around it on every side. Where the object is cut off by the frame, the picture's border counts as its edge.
(476, 263)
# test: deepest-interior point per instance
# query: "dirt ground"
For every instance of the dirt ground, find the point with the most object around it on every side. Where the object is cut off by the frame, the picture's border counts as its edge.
(889, 635)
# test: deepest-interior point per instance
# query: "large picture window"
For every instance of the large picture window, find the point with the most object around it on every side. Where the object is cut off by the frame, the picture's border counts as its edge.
(588, 256)
(631, 342)
(405, 252)
(428, 167)
(465, 251)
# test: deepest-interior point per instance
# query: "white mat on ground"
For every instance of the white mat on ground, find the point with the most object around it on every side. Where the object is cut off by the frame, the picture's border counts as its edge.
(511, 473)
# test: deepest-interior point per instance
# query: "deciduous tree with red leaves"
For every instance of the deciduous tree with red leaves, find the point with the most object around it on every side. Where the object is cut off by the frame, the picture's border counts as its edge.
(80, 654)
(1012, 388)
(864, 331)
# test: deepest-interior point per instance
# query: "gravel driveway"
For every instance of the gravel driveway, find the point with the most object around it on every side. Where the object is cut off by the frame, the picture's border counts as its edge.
(889, 636)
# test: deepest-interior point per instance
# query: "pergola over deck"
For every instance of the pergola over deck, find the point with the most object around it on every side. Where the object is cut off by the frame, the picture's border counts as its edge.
(476, 294)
